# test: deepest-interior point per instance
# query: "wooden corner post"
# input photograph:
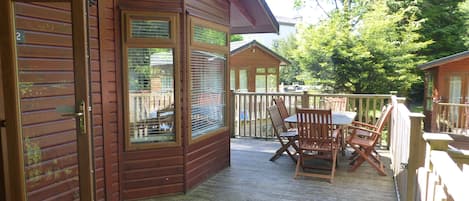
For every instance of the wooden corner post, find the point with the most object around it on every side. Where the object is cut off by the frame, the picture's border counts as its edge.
(416, 153)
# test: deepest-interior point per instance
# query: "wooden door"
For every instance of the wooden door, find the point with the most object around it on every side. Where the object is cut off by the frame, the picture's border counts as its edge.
(52, 85)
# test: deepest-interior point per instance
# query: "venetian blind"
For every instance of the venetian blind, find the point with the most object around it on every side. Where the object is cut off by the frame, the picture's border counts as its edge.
(208, 92)
(150, 29)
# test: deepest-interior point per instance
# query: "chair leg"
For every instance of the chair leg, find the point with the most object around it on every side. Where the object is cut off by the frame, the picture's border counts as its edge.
(334, 162)
(300, 159)
(284, 148)
(366, 155)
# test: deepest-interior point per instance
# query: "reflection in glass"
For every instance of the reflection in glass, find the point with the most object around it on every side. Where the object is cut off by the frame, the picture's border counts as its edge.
(209, 36)
(207, 92)
(151, 95)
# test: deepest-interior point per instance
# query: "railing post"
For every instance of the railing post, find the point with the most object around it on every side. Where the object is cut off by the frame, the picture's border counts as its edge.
(416, 153)
(305, 100)
(232, 113)
(434, 127)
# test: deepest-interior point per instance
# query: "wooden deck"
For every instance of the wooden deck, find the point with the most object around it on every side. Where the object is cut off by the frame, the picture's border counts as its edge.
(253, 177)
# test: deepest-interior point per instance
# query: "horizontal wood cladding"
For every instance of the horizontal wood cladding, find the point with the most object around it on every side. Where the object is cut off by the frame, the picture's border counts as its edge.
(253, 57)
(217, 11)
(152, 172)
(107, 53)
(152, 5)
(206, 158)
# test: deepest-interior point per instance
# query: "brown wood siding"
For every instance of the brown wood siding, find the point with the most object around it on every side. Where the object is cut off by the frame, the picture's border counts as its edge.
(206, 158)
(217, 11)
(445, 70)
(108, 99)
(152, 5)
(259, 58)
(152, 172)
(45, 64)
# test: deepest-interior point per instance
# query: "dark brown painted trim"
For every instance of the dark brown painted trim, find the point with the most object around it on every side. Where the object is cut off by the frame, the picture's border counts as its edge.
(9, 68)
(119, 96)
(82, 93)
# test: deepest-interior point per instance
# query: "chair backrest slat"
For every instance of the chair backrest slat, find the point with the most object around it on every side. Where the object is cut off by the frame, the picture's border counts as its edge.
(385, 114)
(335, 103)
(277, 120)
(281, 107)
(315, 127)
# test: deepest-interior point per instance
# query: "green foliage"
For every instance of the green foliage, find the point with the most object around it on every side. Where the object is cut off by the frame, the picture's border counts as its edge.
(464, 7)
(444, 25)
(364, 47)
(236, 37)
(286, 47)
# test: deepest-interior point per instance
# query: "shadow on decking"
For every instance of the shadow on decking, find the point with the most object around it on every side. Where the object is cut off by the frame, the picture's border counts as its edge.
(253, 177)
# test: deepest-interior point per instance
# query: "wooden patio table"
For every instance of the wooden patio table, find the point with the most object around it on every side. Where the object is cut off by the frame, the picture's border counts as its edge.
(339, 118)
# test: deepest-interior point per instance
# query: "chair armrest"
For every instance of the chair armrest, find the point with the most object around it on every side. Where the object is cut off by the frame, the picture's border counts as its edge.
(358, 123)
(355, 128)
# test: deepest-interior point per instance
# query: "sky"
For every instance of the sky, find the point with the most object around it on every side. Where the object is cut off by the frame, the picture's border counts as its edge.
(311, 13)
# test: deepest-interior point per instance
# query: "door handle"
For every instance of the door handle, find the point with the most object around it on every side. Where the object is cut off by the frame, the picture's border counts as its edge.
(69, 111)
(3, 123)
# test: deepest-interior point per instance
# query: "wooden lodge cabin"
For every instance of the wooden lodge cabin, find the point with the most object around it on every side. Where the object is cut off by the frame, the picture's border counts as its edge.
(254, 67)
(116, 99)
(446, 81)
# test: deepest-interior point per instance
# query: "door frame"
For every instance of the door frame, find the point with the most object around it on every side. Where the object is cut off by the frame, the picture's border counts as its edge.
(15, 180)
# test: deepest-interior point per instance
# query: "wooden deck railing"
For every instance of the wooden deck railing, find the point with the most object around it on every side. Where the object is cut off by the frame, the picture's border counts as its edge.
(452, 118)
(250, 109)
(437, 168)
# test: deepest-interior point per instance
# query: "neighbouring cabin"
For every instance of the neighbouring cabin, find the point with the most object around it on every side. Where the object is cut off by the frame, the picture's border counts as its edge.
(254, 67)
(127, 103)
(447, 93)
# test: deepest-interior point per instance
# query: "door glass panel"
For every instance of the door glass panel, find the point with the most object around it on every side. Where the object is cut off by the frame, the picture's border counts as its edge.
(232, 80)
(271, 82)
(261, 83)
(243, 80)
(46, 80)
(455, 96)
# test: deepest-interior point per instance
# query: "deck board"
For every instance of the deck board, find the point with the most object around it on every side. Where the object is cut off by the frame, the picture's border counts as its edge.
(253, 177)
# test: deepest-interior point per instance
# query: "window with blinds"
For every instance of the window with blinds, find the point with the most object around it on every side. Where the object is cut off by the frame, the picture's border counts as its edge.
(208, 92)
(149, 28)
(149, 77)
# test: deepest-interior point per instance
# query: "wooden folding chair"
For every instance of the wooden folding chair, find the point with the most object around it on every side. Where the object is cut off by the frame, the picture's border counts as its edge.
(286, 138)
(282, 109)
(317, 139)
(363, 139)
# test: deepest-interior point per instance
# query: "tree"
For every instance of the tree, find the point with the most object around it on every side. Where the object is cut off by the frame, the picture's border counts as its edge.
(286, 47)
(444, 25)
(236, 37)
(364, 47)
